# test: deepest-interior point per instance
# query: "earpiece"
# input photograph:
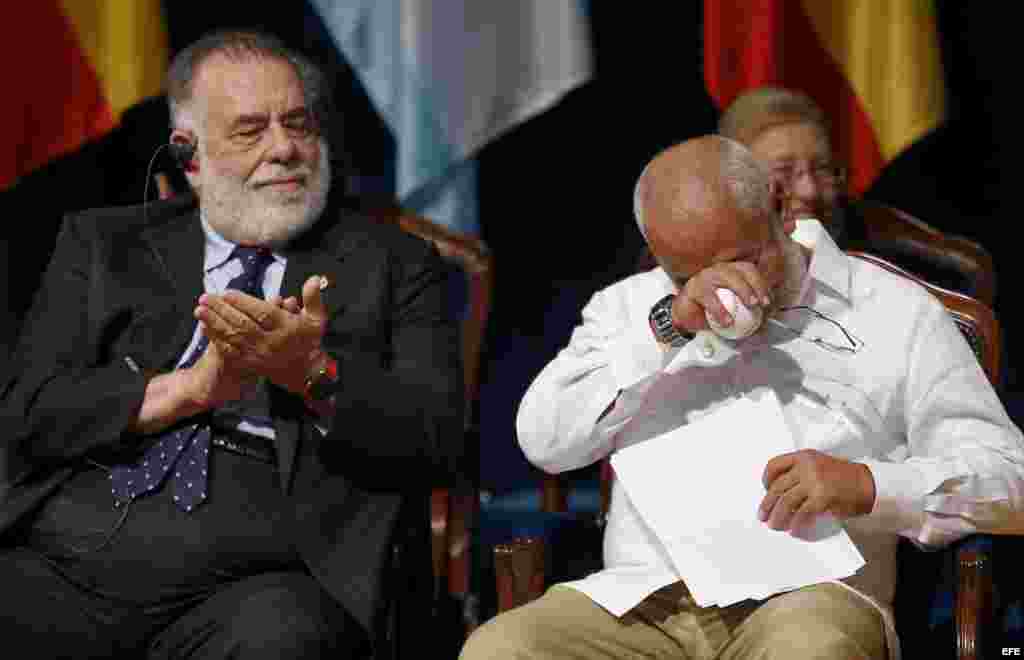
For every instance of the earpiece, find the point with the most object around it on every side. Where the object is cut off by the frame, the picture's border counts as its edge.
(182, 149)
(182, 153)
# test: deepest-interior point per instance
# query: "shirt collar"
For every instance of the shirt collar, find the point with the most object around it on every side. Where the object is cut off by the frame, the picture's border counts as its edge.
(220, 249)
(829, 266)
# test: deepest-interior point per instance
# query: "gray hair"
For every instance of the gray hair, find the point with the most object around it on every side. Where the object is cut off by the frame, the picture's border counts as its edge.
(745, 179)
(762, 108)
(243, 46)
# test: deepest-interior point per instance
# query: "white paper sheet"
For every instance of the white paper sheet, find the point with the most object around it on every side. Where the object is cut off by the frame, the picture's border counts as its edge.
(619, 588)
(698, 488)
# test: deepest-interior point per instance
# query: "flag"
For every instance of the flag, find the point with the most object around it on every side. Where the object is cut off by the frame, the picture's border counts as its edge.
(449, 76)
(873, 66)
(72, 68)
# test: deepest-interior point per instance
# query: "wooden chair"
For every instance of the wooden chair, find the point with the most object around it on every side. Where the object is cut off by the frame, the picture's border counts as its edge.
(521, 566)
(454, 510)
(941, 258)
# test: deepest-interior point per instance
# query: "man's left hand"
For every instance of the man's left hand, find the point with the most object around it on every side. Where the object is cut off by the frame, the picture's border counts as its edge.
(270, 338)
(804, 484)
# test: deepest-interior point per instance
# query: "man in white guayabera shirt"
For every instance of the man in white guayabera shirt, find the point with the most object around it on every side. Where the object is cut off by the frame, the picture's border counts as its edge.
(897, 429)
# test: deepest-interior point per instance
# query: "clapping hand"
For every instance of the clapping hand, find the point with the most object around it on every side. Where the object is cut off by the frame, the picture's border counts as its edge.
(277, 338)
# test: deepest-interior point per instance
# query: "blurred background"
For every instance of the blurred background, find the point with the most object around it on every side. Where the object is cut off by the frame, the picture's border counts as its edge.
(544, 172)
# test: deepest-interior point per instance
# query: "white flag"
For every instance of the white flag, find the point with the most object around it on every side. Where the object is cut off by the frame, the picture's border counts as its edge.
(449, 76)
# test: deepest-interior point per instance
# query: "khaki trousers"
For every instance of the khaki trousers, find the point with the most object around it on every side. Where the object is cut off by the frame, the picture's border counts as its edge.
(824, 621)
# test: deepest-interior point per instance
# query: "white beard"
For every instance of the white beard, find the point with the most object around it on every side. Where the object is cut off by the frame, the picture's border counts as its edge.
(262, 216)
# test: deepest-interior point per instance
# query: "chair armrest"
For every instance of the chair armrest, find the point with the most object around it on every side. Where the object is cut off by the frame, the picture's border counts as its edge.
(554, 494)
(974, 597)
(554, 491)
(462, 514)
(898, 234)
(519, 569)
(440, 502)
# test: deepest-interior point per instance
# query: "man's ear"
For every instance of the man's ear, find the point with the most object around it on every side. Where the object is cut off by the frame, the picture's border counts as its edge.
(183, 147)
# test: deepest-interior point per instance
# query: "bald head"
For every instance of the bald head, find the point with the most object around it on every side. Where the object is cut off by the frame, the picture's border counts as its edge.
(689, 180)
(698, 195)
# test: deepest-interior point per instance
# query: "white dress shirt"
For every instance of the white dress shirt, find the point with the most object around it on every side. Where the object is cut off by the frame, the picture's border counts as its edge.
(913, 404)
(250, 414)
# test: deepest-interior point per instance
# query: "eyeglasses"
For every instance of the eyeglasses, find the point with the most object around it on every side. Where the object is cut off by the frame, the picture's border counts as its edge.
(828, 174)
(851, 346)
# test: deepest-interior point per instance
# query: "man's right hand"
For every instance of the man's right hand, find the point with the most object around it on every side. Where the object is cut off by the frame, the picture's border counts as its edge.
(699, 294)
(211, 382)
(218, 378)
(278, 339)
(215, 379)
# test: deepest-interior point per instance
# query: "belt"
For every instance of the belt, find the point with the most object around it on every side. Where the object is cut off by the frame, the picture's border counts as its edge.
(245, 444)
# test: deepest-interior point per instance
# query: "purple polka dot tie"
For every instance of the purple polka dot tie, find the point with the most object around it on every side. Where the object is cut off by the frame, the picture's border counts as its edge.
(186, 451)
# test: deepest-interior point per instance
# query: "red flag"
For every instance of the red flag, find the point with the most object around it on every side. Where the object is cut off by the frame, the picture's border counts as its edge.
(874, 68)
(72, 67)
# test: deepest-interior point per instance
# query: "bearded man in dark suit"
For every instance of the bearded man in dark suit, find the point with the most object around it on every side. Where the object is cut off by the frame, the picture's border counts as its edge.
(221, 404)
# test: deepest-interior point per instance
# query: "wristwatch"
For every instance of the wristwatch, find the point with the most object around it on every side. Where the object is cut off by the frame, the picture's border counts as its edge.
(660, 320)
(324, 381)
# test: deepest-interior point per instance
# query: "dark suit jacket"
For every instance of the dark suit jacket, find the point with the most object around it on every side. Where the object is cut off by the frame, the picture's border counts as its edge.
(123, 283)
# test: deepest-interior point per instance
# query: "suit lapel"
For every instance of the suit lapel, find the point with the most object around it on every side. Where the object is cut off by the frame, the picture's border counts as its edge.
(319, 260)
(179, 249)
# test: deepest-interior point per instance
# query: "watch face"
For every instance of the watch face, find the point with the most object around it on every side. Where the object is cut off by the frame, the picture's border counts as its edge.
(320, 389)
(322, 386)
(661, 324)
(661, 319)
